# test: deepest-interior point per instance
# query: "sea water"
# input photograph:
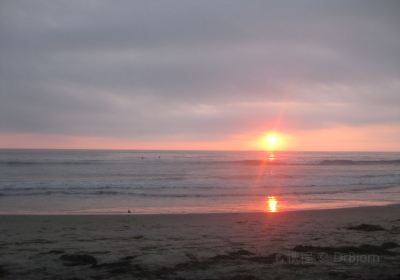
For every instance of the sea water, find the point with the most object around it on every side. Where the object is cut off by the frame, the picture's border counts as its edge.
(94, 181)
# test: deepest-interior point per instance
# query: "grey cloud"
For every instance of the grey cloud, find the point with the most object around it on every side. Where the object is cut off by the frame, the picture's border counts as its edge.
(141, 68)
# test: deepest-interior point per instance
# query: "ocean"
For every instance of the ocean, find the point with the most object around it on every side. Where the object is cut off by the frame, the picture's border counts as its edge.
(153, 182)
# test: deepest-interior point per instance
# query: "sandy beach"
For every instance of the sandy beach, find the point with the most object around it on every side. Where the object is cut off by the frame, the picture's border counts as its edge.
(353, 243)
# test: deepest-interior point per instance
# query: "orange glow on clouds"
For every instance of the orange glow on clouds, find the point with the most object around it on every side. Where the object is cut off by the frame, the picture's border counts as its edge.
(51, 141)
(371, 138)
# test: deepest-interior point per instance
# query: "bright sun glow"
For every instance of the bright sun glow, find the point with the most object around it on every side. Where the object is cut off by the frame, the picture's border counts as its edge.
(271, 141)
(272, 204)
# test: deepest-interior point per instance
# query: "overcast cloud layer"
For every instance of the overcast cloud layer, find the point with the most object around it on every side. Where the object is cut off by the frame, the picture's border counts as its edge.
(207, 70)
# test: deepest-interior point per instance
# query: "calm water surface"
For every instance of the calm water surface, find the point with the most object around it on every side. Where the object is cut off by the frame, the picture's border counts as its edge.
(88, 181)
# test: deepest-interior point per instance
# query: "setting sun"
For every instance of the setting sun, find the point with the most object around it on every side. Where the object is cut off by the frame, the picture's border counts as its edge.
(271, 141)
(272, 204)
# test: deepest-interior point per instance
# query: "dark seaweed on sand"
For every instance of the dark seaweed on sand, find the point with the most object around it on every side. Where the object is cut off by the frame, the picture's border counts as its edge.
(3, 271)
(366, 227)
(362, 249)
(78, 259)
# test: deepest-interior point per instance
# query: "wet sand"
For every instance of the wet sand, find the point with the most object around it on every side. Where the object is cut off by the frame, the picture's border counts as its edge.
(353, 243)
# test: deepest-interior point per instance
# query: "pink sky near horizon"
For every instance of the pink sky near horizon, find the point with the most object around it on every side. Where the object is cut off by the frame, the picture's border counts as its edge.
(372, 138)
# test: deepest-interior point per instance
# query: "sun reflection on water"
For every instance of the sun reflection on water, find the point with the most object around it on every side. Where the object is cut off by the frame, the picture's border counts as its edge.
(271, 156)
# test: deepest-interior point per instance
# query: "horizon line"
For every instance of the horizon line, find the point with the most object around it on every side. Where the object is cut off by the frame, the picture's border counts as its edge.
(202, 150)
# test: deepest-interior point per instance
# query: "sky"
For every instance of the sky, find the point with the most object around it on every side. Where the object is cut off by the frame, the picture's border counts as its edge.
(210, 74)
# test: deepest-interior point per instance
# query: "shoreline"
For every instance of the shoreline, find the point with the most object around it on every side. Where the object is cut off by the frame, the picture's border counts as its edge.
(198, 213)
